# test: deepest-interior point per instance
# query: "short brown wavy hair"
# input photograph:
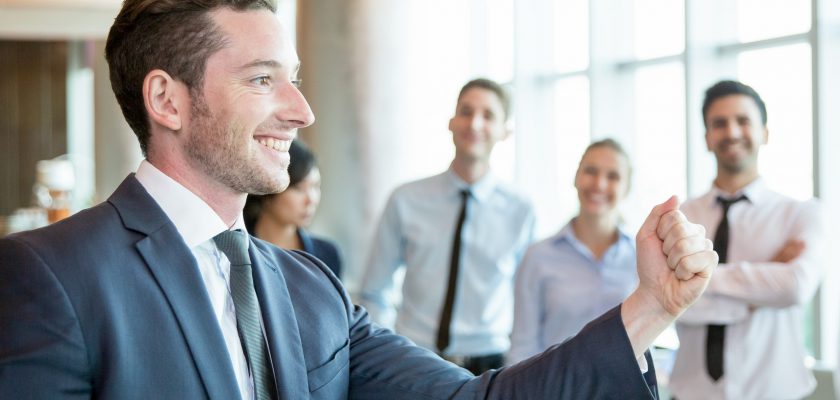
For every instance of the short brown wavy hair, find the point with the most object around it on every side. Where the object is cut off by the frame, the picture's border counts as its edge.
(493, 86)
(176, 36)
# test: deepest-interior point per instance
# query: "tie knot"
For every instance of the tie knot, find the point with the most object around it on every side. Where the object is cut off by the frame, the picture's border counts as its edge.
(465, 194)
(235, 246)
(729, 202)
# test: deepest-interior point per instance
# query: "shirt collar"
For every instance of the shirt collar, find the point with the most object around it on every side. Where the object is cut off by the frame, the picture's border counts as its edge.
(480, 190)
(192, 217)
(568, 234)
(755, 192)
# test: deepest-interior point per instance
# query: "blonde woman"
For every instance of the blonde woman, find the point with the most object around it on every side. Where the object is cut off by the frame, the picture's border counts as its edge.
(585, 269)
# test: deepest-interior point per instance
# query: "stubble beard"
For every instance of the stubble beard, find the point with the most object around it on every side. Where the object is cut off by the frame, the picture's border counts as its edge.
(737, 165)
(216, 147)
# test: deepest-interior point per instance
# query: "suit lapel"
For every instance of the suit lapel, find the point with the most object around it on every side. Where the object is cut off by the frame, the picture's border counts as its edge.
(178, 277)
(280, 326)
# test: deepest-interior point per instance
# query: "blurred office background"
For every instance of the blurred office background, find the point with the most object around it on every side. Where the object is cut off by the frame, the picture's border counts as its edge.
(382, 77)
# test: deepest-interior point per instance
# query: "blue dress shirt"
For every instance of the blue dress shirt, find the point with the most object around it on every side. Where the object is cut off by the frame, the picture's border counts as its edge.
(415, 235)
(560, 287)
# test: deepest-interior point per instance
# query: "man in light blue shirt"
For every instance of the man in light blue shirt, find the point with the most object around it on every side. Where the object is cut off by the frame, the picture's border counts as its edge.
(417, 232)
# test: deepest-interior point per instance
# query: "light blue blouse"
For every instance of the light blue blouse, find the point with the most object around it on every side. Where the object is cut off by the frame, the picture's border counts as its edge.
(560, 287)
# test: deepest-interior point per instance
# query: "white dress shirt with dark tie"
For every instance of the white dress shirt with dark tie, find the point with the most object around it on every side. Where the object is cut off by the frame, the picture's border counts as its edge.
(762, 303)
(198, 224)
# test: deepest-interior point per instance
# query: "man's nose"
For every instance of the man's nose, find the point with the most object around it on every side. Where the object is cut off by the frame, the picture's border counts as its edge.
(733, 130)
(295, 109)
(477, 122)
(601, 181)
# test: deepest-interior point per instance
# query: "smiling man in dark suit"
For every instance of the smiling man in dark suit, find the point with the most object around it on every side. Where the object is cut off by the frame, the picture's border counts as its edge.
(159, 294)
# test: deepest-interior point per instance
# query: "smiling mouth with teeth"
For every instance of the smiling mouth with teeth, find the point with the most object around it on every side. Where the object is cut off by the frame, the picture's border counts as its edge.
(275, 144)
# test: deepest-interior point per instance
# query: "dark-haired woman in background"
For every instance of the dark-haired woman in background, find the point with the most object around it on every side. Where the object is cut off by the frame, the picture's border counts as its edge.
(280, 218)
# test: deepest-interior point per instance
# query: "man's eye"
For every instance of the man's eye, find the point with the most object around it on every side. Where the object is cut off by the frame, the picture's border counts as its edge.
(262, 80)
(297, 82)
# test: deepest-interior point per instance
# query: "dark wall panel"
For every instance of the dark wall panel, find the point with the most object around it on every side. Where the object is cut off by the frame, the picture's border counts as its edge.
(33, 115)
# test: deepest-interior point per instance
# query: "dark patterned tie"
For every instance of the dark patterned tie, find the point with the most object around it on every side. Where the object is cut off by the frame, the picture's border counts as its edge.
(715, 333)
(235, 246)
(454, 262)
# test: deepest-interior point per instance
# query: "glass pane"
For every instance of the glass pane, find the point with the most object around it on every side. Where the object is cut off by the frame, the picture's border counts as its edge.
(499, 36)
(762, 19)
(286, 13)
(571, 35)
(502, 160)
(659, 28)
(433, 85)
(571, 132)
(782, 76)
(658, 151)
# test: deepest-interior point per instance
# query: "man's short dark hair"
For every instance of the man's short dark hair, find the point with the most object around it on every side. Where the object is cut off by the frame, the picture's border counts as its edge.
(492, 86)
(727, 88)
(176, 36)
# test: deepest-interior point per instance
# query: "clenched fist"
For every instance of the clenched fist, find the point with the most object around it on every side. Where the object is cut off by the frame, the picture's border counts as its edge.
(674, 261)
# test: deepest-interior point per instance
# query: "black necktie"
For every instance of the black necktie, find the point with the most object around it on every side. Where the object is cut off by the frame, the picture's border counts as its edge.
(455, 260)
(715, 333)
(235, 246)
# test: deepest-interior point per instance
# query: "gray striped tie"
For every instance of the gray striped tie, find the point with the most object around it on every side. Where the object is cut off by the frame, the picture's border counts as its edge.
(235, 246)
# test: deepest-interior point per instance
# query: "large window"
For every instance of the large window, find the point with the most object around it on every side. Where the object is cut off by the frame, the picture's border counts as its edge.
(782, 75)
(633, 70)
(637, 71)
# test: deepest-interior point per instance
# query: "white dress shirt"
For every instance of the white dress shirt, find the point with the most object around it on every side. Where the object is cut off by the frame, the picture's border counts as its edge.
(198, 224)
(560, 287)
(760, 302)
(416, 232)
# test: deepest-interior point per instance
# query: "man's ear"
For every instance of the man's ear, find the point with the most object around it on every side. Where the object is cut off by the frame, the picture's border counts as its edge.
(508, 131)
(766, 134)
(165, 99)
(708, 144)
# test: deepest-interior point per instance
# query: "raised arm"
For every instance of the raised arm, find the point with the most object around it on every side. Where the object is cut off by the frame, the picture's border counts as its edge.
(675, 262)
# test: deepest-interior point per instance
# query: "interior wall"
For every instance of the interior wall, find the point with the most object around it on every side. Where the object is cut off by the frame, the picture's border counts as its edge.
(33, 114)
(324, 47)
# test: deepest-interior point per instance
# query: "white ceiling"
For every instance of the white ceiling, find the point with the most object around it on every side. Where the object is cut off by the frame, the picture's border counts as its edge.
(56, 19)
(63, 4)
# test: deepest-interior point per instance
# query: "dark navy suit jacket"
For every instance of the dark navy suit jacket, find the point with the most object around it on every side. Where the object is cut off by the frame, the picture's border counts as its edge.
(323, 249)
(110, 304)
